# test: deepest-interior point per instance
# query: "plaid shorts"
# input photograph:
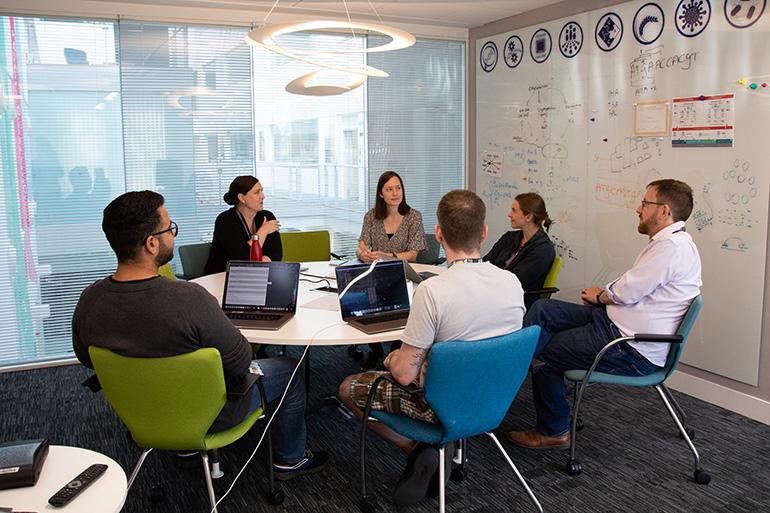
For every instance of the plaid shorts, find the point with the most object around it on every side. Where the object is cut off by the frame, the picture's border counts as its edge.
(390, 398)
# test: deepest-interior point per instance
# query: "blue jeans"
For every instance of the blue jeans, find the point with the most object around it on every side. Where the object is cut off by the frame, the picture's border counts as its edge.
(288, 429)
(570, 338)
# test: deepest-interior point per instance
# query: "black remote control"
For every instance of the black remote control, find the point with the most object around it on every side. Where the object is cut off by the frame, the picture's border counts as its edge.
(77, 485)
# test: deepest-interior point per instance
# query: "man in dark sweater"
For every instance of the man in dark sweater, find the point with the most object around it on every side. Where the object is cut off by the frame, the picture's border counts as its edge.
(135, 312)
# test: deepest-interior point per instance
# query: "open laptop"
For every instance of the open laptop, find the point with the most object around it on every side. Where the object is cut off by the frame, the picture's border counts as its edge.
(378, 302)
(260, 295)
(414, 276)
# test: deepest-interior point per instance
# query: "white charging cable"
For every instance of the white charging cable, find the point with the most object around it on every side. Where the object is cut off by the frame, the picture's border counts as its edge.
(360, 277)
(273, 414)
(288, 385)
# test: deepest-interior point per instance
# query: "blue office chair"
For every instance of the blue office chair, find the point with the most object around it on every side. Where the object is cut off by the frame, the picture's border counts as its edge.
(656, 379)
(470, 386)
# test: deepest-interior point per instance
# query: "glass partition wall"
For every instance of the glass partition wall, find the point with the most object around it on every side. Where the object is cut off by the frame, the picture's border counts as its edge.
(92, 109)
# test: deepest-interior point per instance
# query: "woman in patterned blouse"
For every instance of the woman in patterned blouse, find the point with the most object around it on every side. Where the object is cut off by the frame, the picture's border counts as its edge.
(392, 228)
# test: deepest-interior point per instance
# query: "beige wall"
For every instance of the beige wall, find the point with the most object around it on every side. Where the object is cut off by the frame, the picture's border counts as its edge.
(567, 8)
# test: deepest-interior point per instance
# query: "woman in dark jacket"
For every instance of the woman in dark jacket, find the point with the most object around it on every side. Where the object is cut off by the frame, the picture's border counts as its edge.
(234, 228)
(526, 251)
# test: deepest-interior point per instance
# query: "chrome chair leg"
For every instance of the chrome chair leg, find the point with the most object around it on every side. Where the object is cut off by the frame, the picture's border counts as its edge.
(675, 403)
(137, 467)
(532, 497)
(441, 477)
(701, 477)
(209, 484)
(573, 425)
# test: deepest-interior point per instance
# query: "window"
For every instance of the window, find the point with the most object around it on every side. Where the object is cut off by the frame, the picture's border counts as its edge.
(91, 109)
(61, 161)
(415, 121)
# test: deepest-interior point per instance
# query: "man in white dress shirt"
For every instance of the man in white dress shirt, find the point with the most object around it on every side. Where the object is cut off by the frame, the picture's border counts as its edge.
(651, 297)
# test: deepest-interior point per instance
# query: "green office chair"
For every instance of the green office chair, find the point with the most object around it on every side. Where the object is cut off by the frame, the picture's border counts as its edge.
(551, 279)
(581, 378)
(306, 246)
(194, 257)
(169, 404)
(167, 271)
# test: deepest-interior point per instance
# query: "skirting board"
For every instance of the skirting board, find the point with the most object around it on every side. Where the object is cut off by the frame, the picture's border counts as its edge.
(727, 398)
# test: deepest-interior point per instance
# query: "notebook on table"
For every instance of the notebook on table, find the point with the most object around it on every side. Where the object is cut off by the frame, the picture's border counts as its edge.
(260, 295)
(377, 303)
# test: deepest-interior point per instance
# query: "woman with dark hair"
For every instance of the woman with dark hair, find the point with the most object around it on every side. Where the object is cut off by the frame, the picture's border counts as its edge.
(526, 251)
(236, 229)
(392, 228)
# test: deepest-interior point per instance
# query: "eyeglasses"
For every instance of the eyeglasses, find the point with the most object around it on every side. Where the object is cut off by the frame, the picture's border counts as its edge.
(173, 228)
(645, 203)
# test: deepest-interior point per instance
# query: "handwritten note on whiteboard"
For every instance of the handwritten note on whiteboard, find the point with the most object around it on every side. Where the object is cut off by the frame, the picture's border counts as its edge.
(703, 121)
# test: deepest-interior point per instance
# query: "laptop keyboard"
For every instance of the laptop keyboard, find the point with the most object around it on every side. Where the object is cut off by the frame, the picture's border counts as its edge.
(382, 318)
(254, 316)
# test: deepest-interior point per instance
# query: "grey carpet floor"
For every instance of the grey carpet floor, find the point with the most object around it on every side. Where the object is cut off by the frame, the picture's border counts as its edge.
(633, 458)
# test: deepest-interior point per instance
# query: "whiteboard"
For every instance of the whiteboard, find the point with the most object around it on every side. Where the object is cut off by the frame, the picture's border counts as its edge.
(564, 127)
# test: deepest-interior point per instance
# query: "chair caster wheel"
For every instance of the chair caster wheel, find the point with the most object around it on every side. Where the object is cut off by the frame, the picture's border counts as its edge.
(156, 493)
(573, 467)
(366, 506)
(275, 497)
(579, 425)
(458, 474)
(355, 353)
(690, 432)
(702, 477)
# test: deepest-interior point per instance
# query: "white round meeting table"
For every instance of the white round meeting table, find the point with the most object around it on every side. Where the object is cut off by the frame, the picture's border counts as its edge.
(311, 325)
(105, 495)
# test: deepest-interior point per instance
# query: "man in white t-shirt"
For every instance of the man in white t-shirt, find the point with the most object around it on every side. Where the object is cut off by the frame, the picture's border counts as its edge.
(472, 300)
(651, 297)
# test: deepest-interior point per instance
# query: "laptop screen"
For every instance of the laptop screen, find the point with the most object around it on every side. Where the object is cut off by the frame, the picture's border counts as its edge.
(261, 286)
(381, 292)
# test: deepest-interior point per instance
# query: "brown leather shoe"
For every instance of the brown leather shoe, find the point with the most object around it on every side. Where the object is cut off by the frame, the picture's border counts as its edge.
(531, 439)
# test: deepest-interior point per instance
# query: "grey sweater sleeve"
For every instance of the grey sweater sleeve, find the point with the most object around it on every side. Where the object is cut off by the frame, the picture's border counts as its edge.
(217, 331)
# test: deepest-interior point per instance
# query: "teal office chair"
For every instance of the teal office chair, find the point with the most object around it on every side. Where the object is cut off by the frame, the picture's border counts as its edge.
(469, 399)
(430, 255)
(656, 379)
(194, 257)
(169, 404)
(306, 246)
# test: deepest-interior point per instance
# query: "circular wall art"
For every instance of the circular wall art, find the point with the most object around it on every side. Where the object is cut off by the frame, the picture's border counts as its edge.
(609, 32)
(513, 51)
(692, 17)
(648, 23)
(488, 56)
(571, 39)
(540, 46)
(744, 13)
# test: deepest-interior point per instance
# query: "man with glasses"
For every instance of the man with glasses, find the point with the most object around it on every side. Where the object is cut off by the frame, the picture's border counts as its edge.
(136, 312)
(651, 297)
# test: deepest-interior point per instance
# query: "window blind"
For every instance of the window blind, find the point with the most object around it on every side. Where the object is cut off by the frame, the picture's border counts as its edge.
(416, 121)
(92, 109)
(187, 118)
(61, 160)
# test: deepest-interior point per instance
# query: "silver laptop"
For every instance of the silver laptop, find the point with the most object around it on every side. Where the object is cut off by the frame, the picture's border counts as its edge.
(378, 302)
(260, 295)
